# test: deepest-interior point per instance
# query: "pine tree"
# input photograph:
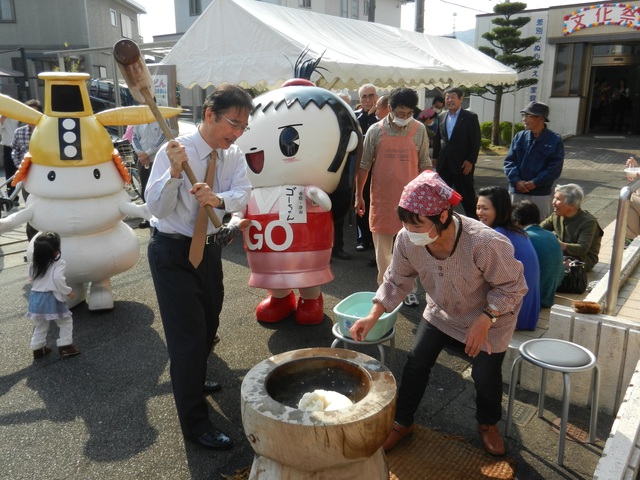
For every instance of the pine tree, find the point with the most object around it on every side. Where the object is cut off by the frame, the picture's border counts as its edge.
(507, 44)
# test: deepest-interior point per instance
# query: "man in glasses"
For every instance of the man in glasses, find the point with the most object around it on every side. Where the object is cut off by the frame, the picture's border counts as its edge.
(535, 159)
(186, 266)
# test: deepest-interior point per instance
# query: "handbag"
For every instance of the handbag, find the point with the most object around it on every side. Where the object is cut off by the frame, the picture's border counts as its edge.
(575, 276)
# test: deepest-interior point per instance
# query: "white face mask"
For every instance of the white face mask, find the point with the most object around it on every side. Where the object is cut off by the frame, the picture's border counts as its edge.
(437, 110)
(401, 122)
(422, 239)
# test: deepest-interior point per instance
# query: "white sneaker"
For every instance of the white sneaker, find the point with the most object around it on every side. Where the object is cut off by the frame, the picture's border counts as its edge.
(411, 300)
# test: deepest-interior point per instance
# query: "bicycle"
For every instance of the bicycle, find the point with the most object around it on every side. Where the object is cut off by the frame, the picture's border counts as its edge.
(7, 202)
(130, 160)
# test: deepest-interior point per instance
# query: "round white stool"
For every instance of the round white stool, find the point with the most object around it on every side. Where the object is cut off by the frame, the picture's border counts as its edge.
(560, 356)
(391, 338)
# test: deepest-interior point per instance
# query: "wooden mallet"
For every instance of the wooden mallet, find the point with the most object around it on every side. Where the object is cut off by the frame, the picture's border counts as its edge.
(136, 73)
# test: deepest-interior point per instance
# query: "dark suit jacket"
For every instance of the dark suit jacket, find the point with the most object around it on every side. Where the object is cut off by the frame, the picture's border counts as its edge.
(464, 143)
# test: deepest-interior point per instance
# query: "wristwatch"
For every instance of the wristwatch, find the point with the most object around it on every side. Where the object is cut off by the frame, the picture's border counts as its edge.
(221, 202)
(492, 312)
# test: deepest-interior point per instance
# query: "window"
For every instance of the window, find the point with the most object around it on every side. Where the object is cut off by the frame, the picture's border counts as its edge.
(195, 7)
(126, 26)
(114, 17)
(355, 8)
(102, 71)
(567, 71)
(304, 3)
(7, 12)
(344, 8)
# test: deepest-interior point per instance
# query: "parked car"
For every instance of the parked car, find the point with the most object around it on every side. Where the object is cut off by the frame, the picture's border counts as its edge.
(102, 94)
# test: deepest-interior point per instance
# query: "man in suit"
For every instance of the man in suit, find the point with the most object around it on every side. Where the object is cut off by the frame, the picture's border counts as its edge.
(456, 146)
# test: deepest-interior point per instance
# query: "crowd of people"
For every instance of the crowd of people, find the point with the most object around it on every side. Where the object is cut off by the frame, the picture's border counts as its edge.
(504, 257)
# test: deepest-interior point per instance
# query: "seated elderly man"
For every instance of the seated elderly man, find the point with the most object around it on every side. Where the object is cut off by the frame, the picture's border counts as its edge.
(577, 230)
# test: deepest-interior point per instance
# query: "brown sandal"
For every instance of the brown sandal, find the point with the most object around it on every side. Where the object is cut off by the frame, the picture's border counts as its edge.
(398, 432)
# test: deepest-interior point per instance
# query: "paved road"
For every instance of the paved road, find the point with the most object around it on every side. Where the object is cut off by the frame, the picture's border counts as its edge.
(108, 413)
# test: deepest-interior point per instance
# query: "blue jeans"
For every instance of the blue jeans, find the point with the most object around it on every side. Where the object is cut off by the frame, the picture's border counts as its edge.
(486, 374)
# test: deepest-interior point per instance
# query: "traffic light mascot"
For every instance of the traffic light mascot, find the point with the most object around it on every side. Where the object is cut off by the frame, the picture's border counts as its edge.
(76, 182)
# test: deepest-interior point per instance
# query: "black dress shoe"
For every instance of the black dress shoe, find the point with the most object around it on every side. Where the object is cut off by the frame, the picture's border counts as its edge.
(144, 224)
(211, 387)
(341, 254)
(215, 440)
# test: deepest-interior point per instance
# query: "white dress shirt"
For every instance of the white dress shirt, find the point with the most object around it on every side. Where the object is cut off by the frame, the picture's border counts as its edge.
(174, 209)
(148, 138)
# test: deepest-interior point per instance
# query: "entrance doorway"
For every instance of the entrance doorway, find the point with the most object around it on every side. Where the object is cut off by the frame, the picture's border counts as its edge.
(611, 112)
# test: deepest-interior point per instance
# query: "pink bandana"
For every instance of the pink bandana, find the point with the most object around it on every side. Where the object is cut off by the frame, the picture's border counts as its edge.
(428, 195)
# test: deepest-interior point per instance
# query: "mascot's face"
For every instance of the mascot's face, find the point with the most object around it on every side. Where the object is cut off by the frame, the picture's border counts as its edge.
(74, 182)
(292, 145)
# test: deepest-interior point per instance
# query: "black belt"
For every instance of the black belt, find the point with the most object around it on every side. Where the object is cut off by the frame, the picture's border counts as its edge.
(178, 236)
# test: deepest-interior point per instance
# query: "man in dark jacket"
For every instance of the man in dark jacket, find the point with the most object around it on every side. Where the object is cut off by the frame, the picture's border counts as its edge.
(535, 159)
(455, 148)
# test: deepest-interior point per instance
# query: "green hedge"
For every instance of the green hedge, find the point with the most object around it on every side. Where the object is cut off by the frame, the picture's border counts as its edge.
(485, 129)
(505, 131)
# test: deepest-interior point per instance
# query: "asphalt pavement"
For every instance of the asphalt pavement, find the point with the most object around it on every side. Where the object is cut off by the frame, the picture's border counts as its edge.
(109, 413)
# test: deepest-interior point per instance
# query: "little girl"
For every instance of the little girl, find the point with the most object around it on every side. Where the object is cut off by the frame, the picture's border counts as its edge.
(46, 300)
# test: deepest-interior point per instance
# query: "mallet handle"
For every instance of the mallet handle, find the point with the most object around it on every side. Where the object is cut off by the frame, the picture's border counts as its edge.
(127, 55)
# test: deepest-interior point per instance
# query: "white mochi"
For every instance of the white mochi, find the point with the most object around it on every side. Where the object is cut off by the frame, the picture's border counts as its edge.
(323, 400)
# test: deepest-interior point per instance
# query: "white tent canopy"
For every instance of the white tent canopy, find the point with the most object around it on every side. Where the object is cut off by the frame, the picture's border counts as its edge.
(255, 44)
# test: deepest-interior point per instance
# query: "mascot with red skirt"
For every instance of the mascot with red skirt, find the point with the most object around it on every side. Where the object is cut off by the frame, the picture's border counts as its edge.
(296, 148)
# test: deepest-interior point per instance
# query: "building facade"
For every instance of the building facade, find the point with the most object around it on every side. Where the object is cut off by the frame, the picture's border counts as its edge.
(588, 50)
(32, 30)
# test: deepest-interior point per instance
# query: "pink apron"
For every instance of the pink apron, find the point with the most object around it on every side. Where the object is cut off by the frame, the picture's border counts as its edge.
(395, 165)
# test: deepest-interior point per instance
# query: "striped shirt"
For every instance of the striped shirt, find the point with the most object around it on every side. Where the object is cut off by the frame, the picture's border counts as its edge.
(481, 270)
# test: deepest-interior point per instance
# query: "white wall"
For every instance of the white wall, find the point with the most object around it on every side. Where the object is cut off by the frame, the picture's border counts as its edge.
(563, 110)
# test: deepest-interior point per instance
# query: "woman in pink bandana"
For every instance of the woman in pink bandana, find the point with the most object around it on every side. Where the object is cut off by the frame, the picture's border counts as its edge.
(474, 288)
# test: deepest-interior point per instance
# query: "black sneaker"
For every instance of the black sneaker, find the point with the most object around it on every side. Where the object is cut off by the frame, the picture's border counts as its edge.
(341, 254)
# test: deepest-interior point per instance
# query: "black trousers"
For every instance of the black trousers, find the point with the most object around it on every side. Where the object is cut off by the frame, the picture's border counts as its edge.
(364, 232)
(340, 204)
(463, 184)
(190, 302)
(486, 373)
(144, 174)
(9, 168)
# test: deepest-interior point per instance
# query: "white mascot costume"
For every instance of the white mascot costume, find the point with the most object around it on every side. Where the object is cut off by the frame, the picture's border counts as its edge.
(76, 182)
(296, 150)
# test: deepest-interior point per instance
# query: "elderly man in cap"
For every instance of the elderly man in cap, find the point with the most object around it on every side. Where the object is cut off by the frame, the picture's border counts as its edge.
(474, 288)
(535, 159)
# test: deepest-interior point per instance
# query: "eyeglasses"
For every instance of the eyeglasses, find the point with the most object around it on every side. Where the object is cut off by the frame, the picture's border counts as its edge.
(235, 125)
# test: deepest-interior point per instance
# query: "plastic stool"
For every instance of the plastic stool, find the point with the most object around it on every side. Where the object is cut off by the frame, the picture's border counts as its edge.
(391, 338)
(560, 356)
